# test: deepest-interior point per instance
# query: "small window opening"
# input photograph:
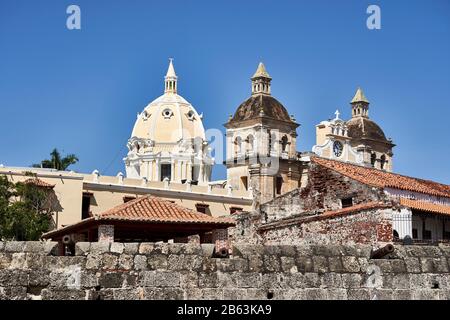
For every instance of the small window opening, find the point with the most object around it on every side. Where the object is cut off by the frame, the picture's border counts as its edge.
(347, 202)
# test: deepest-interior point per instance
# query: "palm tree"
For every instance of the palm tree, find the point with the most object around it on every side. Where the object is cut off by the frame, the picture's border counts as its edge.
(57, 162)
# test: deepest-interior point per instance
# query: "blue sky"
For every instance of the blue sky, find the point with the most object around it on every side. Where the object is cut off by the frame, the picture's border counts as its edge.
(80, 90)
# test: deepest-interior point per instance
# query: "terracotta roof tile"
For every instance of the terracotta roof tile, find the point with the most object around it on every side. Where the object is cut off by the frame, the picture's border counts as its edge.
(39, 183)
(383, 179)
(425, 206)
(152, 209)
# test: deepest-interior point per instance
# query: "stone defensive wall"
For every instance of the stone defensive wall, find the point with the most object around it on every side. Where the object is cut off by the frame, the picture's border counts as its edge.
(101, 271)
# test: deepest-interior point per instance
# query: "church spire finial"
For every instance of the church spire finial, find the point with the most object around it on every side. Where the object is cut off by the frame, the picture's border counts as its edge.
(261, 81)
(170, 79)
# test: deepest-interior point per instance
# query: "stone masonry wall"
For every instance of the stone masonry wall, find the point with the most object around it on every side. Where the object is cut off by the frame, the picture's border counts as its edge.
(29, 270)
(372, 226)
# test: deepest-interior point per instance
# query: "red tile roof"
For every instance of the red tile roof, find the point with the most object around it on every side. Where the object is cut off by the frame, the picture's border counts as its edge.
(383, 179)
(425, 206)
(152, 209)
(39, 183)
(326, 215)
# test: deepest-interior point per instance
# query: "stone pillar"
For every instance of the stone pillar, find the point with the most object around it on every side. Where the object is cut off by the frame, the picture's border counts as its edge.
(221, 242)
(180, 172)
(157, 170)
(172, 170)
(150, 170)
(105, 233)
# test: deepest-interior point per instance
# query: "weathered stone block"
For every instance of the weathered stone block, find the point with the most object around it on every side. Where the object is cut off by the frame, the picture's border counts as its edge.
(93, 261)
(159, 261)
(99, 247)
(146, 248)
(248, 280)
(434, 265)
(109, 261)
(126, 262)
(412, 265)
(167, 279)
(208, 280)
(350, 264)
(398, 266)
(320, 264)
(2, 246)
(246, 251)
(315, 294)
(288, 251)
(5, 260)
(304, 251)
(312, 280)
(337, 294)
(140, 262)
(88, 279)
(255, 263)
(271, 263)
(18, 261)
(288, 265)
(163, 294)
(161, 248)
(226, 280)
(188, 279)
(125, 294)
(335, 264)
(34, 246)
(131, 248)
(425, 294)
(11, 278)
(358, 294)
(274, 281)
(297, 280)
(110, 280)
(209, 264)
(331, 280)
(117, 247)
(234, 294)
(82, 248)
(34, 261)
(351, 280)
(38, 278)
(401, 294)
(383, 264)
(14, 246)
(229, 265)
(304, 264)
(63, 294)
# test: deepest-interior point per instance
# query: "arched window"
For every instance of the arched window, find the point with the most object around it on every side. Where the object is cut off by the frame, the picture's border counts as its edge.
(284, 143)
(373, 159)
(382, 161)
(237, 145)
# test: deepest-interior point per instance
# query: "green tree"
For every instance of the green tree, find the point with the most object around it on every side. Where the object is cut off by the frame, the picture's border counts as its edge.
(25, 210)
(56, 161)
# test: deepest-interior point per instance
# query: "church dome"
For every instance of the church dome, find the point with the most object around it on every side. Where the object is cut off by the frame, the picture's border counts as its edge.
(169, 118)
(253, 106)
(360, 127)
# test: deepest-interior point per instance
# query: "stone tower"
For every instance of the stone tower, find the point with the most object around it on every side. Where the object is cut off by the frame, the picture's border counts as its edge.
(261, 143)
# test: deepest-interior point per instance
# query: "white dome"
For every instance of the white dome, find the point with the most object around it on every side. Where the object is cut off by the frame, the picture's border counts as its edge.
(169, 119)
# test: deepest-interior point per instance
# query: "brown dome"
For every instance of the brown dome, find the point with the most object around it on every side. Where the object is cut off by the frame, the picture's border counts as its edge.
(361, 127)
(252, 107)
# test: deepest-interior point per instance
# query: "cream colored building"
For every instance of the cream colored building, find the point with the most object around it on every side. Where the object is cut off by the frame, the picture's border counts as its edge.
(81, 195)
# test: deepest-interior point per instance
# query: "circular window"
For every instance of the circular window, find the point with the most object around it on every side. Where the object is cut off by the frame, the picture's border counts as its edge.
(190, 115)
(167, 113)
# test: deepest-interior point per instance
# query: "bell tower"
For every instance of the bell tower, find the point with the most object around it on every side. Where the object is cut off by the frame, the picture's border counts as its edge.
(261, 143)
